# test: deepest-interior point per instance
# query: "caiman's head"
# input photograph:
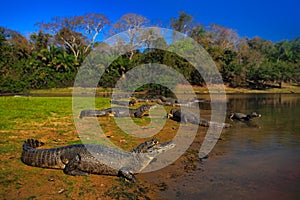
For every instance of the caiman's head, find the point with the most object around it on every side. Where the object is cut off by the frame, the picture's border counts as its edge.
(146, 152)
(231, 115)
(111, 114)
(147, 107)
(171, 113)
(132, 101)
(153, 147)
(143, 109)
(254, 114)
(142, 148)
(159, 148)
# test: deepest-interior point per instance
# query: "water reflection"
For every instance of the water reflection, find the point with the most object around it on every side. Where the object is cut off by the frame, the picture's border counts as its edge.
(257, 162)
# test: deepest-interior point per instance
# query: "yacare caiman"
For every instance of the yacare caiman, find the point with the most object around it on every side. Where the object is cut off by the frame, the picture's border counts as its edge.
(118, 111)
(84, 159)
(242, 116)
(189, 117)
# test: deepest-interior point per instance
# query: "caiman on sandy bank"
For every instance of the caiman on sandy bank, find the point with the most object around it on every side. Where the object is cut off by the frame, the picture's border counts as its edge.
(188, 117)
(118, 112)
(84, 159)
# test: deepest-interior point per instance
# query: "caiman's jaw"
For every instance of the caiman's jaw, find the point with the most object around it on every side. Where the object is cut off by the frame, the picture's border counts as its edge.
(169, 115)
(254, 114)
(111, 114)
(160, 148)
(147, 107)
(171, 112)
(152, 106)
(231, 115)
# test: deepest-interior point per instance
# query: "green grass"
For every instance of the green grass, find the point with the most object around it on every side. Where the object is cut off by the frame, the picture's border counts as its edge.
(50, 118)
(17, 111)
(22, 110)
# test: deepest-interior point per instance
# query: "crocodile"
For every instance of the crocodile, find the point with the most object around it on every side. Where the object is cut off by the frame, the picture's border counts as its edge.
(188, 117)
(118, 112)
(85, 159)
(243, 117)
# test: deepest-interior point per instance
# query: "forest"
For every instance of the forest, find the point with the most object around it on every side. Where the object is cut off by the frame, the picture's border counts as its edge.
(51, 57)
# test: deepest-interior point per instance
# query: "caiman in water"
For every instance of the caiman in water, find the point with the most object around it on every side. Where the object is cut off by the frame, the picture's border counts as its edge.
(243, 117)
(118, 112)
(189, 117)
(84, 159)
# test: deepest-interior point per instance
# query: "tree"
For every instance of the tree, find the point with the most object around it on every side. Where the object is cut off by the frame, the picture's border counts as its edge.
(51, 67)
(223, 37)
(133, 25)
(183, 24)
(199, 34)
(14, 50)
(77, 34)
(40, 41)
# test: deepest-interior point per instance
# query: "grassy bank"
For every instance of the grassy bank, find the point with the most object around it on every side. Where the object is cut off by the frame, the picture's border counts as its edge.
(286, 88)
(51, 120)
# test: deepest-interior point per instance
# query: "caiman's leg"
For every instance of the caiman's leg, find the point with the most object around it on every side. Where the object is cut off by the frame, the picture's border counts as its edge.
(204, 123)
(72, 167)
(127, 174)
(82, 114)
(138, 114)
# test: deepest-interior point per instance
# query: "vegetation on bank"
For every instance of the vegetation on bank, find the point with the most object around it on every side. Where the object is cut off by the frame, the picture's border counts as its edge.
(51, 57)
(286, 88)
(50, 119)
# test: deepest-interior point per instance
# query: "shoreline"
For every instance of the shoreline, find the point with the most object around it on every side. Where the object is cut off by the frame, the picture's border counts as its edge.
(105, 92)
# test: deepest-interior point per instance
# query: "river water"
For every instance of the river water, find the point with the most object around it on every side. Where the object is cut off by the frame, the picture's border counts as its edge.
(252, 161)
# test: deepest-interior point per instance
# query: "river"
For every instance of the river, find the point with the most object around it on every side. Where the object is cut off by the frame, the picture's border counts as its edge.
(251, 161)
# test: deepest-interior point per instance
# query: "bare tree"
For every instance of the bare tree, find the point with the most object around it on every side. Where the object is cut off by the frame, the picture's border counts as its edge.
(223, 37)
(79, 33)
(133, 25)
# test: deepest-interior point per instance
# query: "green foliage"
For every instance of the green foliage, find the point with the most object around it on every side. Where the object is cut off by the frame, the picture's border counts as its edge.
(51, 68)
(52, 56)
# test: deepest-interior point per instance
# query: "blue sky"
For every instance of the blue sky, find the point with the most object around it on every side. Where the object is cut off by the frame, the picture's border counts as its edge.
(271, 20)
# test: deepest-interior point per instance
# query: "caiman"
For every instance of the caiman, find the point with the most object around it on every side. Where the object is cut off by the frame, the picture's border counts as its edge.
(84, 159)
(168, 100)
(188, 117)
(123, 103)
(118, 111)
(243, 117)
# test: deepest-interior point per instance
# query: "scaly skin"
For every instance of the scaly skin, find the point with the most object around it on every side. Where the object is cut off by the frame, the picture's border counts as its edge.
(118, 112)
(168, 100)
(243, 117)
(84, 159)
(123, 103)
(188, 117)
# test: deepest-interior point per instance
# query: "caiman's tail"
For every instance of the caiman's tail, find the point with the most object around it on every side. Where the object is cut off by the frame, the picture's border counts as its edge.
(32, 143)
(32, 156)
